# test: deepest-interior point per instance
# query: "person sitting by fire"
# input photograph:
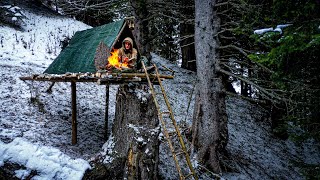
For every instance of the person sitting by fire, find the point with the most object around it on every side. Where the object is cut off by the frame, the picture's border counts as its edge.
(127, 53)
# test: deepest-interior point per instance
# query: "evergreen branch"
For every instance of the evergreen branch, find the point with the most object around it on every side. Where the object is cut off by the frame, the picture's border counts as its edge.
(269, 95)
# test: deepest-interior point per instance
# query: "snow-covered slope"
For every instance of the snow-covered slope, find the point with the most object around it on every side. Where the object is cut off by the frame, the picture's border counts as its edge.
(23, 53)
(36, 126)
(254, 152)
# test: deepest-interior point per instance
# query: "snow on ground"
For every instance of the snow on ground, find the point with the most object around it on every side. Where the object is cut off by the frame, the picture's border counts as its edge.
(254, 151)
(36, 126)
(49, 162)
(43, 122)
(257, 153)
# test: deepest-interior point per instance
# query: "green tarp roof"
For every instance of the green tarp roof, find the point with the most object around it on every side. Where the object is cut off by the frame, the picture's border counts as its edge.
(78, 56)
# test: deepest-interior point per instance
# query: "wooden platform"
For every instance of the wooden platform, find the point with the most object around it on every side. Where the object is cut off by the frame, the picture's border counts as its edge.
(101, 78)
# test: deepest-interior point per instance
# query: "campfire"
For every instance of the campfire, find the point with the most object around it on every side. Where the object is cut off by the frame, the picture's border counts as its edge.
(114, 61)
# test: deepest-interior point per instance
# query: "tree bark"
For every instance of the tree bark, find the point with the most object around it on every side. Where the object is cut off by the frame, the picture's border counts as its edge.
(74, 112)
(187, 38)
(210, 133)
(135, 151)
(141, 30)
(187, 47)
(136, 133)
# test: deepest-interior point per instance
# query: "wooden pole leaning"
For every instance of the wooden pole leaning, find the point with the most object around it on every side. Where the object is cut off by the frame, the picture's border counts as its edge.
(74, 111)
(106, 114)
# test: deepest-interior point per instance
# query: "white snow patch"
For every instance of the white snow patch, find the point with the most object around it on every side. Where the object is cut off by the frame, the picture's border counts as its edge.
(139, 139)
(262, 31)
(107, 150)
(49, 162)
(281, 26)
(22, 173)
(155, 130)
(277, 29)
(141, 94)
(135, 128)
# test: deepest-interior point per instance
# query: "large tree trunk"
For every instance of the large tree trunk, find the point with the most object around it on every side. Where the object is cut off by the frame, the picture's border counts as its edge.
(135, 144)
(210, 133)
(141, 30)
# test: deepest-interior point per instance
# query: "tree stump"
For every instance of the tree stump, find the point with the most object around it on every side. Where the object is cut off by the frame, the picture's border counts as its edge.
(135, 152)
(136, 130)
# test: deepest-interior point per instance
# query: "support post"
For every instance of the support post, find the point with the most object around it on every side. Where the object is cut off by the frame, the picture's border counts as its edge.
(74, 111)
(106, 114)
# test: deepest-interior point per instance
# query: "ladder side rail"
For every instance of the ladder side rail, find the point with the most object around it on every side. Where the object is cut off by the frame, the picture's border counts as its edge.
(163, 123)
(184, 149)
(174, 155)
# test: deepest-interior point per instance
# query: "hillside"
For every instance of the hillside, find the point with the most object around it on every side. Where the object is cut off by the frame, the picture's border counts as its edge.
(36, 125)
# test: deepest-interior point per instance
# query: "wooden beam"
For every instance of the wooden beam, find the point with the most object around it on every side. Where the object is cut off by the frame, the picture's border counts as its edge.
(49, 90)
(112, 78)
(74, 111)
(141, 75)
(106, 134)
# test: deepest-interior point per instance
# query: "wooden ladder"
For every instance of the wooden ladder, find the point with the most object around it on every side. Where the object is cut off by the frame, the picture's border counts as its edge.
(182, 150)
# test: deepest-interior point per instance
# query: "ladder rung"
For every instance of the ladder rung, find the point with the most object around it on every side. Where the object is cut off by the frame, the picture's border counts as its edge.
(172, 133)
(191, 174)
(165, 112)
(179, 153)
(154, 79)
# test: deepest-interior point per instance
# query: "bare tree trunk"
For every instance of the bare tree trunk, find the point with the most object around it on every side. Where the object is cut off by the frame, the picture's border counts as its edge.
(187, 38)
(141, 30)
(210, 132)
(187, 47)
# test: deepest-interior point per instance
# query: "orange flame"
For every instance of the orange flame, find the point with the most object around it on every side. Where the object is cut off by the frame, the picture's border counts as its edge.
(113, 61)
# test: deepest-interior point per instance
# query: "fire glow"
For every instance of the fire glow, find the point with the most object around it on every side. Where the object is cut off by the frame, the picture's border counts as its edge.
(114, 61)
